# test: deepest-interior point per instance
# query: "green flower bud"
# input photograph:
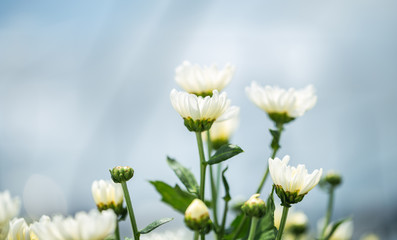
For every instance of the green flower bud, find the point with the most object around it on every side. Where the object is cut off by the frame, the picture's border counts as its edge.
(121, 174)
(254, 207)
(197, 216)
(280, 118)
(333, 178)
(198, 125)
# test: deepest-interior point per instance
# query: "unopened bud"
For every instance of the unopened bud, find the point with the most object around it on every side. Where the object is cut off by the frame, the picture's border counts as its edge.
(197, 215)
(254, 207)
(333, 178)
(121, 174)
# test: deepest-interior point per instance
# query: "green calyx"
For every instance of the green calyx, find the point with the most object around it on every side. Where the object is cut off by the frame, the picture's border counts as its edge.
(216, 144)
(202, 224)
(121, 174)
(297, 229)
(202, 94)
(120, 211)
(198, 125)
(280, 118)
(334, 179)
(288, 198)
(254, 207)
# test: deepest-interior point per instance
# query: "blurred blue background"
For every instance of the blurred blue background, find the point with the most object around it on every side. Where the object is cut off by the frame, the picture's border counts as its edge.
(84, 86)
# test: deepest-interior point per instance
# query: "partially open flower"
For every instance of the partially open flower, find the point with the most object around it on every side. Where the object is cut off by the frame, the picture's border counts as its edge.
(9, 208)
(202, 81)
(108, 194)
(84, 226)
(200, 113)
(333, 178)
(254, 206)
(221, 132)
(282, 105)
(197, 215)
(292, 184)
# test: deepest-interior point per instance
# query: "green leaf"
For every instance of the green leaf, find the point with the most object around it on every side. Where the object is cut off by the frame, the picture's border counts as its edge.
(235, 224)
(266, 229)
(184, 174)
(154, 225)
(224, 153)
(276, 139)
(335, 226)
(173, 196)
(226, 185)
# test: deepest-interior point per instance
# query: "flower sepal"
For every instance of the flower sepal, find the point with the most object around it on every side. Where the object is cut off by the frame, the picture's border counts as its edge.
(254, 207)
(280, 118)
(121, 174)
(288, 198)
(198, 125)
(197, 216)
(120, 211)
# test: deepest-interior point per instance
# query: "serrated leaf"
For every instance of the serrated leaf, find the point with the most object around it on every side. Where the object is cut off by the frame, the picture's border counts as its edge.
(335, 226)
(266, 229)
(173, 196)
(226, 185)
(224, 153)
(184, 174)
(154, 225)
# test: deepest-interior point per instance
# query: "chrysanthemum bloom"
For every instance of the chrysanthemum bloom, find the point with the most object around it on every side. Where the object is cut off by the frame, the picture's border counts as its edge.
(197, 215)
(254, 206)
(202, 81)
(296, 223)
(9, 208)
(19, 230)
(282, 105)
(84, 226)
(108, 194)
(200, 113)
(291, 183)
(221, 132)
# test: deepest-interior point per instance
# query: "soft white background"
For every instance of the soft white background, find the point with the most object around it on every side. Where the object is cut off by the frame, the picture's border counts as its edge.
(84, 86)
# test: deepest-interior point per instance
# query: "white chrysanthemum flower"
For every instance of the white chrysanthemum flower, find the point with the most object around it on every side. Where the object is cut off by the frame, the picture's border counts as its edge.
(202, 80)
(199, 113)
(296, 220)
(221, 132)
(197, 216)
(343, 232)
(282, 105)
(19, 230)
(292, 183)
(9, 208)
(180, 234)
(107, 194)
(84, 226)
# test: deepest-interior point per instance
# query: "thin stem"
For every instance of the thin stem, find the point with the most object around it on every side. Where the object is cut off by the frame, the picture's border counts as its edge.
(214, 189)
(130, 210)
(222, 230)
(203, 165)
(254, 222)
(202, 236)
(117, 230)
(282, 223)
(240, 227)
(196, 235)
(329, 210)
(275, 149)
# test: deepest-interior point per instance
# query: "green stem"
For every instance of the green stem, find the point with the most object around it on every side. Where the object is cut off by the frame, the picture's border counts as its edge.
(196, 235)
(117, 230)
(214, 189)
(275, 149)
(329, 210)
(202, 236)
(282, 223)
(203, 165)
(130, 210)
(254, 222)
(240, 227)
(222, 230)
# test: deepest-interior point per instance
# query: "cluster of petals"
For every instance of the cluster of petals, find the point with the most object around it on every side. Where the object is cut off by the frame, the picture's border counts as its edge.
(293, 179)
(107, 192)
(292, 102)
(94, 225)
(202, 80)
(19, 230)
(9, 208)
(191, 106)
